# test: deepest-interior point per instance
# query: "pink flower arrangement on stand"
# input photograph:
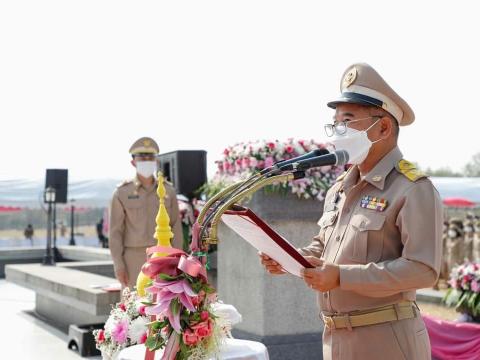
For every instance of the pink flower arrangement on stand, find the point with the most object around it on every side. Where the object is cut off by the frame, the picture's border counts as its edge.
(242, 160)
(464, 291)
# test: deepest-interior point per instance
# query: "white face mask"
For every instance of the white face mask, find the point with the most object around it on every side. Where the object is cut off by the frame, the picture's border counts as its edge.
(452, 234)
(355, 142)
(146, 168)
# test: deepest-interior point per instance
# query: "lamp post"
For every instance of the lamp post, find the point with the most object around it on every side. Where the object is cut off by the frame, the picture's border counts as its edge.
(72, 223)
(49, 198)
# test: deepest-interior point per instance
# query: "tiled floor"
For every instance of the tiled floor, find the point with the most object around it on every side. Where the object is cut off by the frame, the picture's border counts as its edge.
(23, 336)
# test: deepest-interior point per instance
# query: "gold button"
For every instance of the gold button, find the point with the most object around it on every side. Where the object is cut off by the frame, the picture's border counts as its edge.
(377, 178)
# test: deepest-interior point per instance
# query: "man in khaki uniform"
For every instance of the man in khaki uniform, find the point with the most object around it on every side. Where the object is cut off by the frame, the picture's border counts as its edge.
(133, 210)
(468, 231)
(380, 234)
(476, 240)
(455, 244)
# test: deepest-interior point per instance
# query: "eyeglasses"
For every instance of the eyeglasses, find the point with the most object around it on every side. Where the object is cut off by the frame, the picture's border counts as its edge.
(340, 127)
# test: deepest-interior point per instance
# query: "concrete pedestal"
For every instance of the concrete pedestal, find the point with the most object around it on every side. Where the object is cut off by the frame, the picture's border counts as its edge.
(279, 311)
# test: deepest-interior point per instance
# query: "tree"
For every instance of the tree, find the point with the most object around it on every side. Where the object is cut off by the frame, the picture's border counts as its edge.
(473, 167)
(442, 172)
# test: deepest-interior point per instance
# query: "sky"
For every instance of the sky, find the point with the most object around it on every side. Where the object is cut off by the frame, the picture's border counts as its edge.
(80, 81)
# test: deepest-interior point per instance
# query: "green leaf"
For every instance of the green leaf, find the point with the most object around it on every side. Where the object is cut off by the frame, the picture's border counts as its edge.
(175, 306)
(463, 301)
(477, 307)
(472, 299)
(167, 277)
(197, 286)
(151, 342)
(452, 297)
(147, 303)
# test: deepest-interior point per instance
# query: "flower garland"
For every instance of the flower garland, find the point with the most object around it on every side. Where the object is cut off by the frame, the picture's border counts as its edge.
(464, 292)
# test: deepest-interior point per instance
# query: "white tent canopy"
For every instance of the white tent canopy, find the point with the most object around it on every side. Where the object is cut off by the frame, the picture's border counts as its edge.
(28, 193)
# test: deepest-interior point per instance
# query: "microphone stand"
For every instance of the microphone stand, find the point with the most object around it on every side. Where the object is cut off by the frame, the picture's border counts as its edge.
(234, 194)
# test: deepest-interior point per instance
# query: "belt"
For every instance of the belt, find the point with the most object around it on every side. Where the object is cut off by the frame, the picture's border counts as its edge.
(399, 311)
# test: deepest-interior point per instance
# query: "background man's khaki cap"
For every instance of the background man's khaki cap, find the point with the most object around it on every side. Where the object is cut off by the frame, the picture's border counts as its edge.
(361, 84)
(144, 145)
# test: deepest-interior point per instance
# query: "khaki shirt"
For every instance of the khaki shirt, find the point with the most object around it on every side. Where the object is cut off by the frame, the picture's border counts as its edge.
(133, 211)
(384, 256)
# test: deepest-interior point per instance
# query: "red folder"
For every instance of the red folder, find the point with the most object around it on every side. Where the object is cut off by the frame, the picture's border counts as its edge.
(261, 236)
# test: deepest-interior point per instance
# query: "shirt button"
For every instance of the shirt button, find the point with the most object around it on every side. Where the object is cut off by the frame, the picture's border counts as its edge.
(325, 295)
(337, 238)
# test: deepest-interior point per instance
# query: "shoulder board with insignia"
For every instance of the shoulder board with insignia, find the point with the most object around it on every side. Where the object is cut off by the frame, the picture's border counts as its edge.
(123, 183)
(409, 170)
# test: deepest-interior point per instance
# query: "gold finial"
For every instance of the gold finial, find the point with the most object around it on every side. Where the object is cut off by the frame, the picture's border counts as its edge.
(163, 232)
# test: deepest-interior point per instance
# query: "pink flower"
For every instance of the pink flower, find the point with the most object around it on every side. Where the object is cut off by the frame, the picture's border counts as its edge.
(167, 291)
(226, 152)
(289, 149)
(220, 166)
(246, 163)
(120, 331)
(271, 145)
(101, 336)
(260, 164)
(204, 315)
(122, 307)
(141, 310)
(453, 283)
(268, 161)
(476, 286)
(226, 166)
(143, 339)
(190, 338)
(203, 329)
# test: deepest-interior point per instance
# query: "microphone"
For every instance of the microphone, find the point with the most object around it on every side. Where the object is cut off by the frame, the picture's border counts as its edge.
(278, 165)
(338, 158)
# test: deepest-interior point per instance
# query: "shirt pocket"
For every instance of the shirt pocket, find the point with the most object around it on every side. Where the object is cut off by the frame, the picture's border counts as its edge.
(366, 243)
(327, 224)
(135, 210)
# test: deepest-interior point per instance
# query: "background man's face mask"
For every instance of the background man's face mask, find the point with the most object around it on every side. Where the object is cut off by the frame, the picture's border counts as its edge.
(355, 142)
(146, 168)
(452, 233)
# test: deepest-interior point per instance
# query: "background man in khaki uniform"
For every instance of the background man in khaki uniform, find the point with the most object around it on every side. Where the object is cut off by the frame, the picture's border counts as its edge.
(476, 240)
(454, 254)
(133, 210)
(380, 234)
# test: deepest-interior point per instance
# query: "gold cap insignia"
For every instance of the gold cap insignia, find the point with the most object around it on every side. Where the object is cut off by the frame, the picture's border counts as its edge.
(349, 78)
(377, 178)
(146, 142)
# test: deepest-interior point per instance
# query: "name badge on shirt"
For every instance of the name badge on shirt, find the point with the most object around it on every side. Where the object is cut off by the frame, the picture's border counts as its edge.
(373, 203)
(133, 196)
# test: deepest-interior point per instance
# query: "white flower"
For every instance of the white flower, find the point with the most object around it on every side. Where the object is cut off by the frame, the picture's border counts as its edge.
(138, 328)
(110, 324)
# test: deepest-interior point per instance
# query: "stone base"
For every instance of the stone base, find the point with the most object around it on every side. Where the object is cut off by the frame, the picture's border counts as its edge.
(61, 315)
(288, 347)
